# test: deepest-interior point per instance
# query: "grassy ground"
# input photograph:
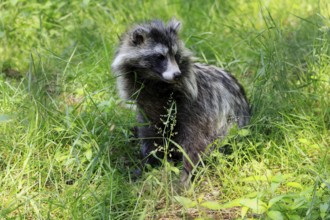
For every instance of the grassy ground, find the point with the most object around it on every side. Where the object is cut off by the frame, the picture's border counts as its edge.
(66, 150)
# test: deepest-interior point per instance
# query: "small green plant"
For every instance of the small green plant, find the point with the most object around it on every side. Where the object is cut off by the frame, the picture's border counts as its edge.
(309, 202)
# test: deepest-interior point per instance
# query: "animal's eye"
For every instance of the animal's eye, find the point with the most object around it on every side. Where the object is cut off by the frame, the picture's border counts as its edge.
(178, 57)
(160, 57)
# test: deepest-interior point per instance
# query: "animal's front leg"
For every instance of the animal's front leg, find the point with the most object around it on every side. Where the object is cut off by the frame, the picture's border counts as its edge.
(194, 146)
(149, 141)
(190, 160)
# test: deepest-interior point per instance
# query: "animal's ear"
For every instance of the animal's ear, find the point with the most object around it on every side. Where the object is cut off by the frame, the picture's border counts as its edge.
(174, 25)
(139, 35)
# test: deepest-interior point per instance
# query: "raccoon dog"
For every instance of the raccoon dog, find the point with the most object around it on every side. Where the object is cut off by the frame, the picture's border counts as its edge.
(153, 68)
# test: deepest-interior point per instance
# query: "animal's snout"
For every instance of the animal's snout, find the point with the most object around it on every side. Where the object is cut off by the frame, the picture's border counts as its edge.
(177, 75)
(172, 73)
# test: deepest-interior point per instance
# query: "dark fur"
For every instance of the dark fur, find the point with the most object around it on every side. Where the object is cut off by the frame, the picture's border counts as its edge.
(208, 100)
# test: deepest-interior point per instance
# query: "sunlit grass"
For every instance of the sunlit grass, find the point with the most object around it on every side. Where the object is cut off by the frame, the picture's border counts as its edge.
(66, 146)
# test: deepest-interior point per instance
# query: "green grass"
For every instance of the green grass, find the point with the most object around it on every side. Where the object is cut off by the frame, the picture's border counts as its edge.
(66, 148)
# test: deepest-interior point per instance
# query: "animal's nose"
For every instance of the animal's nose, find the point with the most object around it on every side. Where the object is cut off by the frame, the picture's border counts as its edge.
(177, 75)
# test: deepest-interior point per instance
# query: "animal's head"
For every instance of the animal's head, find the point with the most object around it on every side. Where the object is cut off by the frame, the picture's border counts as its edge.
(154, 51)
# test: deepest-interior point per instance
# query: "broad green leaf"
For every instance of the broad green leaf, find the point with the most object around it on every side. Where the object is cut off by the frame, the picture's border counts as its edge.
(278, 178)
(213, 205)
(185, 202)
(244, 132)
(275, 215)
(275, 200)
(294, 217)
(251, 195)
(323, 209)
(244, 211)
(298, 202)
(295, 185)
(257, 206)
(89, 154)
(274, 186)
(231, 204)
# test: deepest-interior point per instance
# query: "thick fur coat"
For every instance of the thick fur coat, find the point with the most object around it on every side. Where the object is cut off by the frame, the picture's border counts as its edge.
(154, 68)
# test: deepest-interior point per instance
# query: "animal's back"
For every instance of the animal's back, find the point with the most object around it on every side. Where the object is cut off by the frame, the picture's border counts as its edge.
(221, 100)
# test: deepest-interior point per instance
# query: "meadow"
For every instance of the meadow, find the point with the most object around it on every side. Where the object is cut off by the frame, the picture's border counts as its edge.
(66, 145)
